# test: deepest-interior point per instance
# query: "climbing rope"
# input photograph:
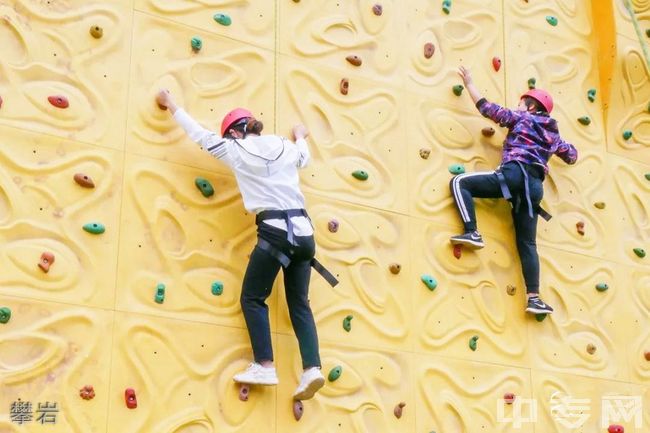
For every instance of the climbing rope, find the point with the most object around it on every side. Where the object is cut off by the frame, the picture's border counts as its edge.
(639, 33)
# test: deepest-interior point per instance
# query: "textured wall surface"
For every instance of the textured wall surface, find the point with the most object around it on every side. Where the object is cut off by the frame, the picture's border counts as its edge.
(92, 319)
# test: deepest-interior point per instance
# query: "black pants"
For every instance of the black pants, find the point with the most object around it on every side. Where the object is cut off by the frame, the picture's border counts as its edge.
(258, 282)
(486, 185)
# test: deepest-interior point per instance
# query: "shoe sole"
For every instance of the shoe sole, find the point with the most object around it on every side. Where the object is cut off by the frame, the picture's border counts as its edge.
(538, 311)
(473, 244)
(311, 389)
(250, 382)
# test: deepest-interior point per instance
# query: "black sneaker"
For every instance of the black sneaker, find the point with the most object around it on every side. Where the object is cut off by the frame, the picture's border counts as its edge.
(470, 239)
(537, 306)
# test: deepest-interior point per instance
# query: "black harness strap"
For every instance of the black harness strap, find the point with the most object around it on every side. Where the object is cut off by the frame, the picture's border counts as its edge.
(508, 196)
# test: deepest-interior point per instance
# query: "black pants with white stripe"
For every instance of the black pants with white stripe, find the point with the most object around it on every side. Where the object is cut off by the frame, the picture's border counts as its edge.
(486, 185)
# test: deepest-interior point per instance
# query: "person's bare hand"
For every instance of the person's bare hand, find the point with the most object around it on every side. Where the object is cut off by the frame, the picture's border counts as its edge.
(465, 74)
(300, 131)
(164, 99)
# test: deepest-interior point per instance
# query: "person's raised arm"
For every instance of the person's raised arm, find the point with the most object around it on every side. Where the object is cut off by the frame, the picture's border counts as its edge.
(495, 112)
(300, 133)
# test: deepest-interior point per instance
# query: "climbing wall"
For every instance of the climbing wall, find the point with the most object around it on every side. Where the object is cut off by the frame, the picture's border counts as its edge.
(140, 289)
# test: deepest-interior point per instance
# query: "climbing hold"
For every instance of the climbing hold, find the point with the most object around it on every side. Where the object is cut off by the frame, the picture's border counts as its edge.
(398, 409)
(87, 392)
(511, 290)
(94, 228)
(640, 252)
(354, 60)
(591, 349)
(496, 63)
(59, 101)
(395, 268)
(488, 131)
(627, 134)
(646, 355)
(160, 294)
(5, 314)
(244, 391)
(335, 373)
(600, 205)
(0, 101)
(648, 108)
(532, 82)
(473, 342)
(647, 176)
(360, 175)
(456, 169)
(347, 325)
(580, 227)
(297, 409)
(344, 86)
(591, 95)
(615, 428)
(424, 153)
(204, 186)
(196, 44)
(129, 398)
(509, 398)
(429, 50)
(540, 317)
(602, 287)
(429, 281)
(446, 6)
(551, 20)
(217, 288)
(458, 251)
(96, 32)
(458, 89)
(84, 180)
(46, 261)
(222, 19)
(584, 120)
(333, 226)
(377, 9)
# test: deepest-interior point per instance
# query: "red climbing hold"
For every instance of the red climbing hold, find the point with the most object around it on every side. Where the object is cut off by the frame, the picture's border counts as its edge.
(429, 49)
(580, 227)
(297, 410)
(87, 392)
(344, 86)
(244, 391)
(0, 101)
(615, 428)
(647, 355)
(377, 9)
(129, 398)
(59, 101)
(398, 410)
(496, 63)
(84, 180)
(458, 251)
(509, 398)
(46, 261)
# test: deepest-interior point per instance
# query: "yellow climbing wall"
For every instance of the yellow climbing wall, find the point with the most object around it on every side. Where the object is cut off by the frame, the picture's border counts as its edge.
(92, 319)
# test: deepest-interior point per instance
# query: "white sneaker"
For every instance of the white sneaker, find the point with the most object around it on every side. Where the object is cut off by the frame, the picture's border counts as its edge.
(255, 374)
(311, 381)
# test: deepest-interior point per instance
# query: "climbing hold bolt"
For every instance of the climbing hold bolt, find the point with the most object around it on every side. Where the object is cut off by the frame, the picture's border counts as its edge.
(511, 290)
(640, 252)
(94, 228)
(298, 409)
(344, 86)
(96, 32)
(5, 314)
(615, 428)
(222, 19)
(398, 409)
(429, 281)
(244, 391)
(129, 398)
(84, 180)
(551, 20)
(600, 205)
(591, 348)
(646, 355)
(46, 261)
(446, 6)
(429, 50)
(457, 89)
(217, 288)
(354, 60)
(87, 392)
(473, 342)
(540, 317)
(509, 398)
(58, 101)
(496, 63)
(160, 294)
(204, 186)
(456, 169)
(532, 82)
(335, 373)
(424, 153)
(360, 175)
(602, 287)
(377, 9)
(347, 323)
(458, 251)
(584, 120)
(580, 227)
(488, 131)
(333, 226)
(591, 95)
(196, 44)
(627, 134)
(395, 268)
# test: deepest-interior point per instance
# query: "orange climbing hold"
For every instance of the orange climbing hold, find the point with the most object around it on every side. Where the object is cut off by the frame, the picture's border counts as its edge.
(580, 227)
(647, 355)
(344, 86)
(354, 60)
(46, 261)
(458, 251)
(398, 410)
(87, 392)
(59, 101)
(424, 153)
(591, 348)
(429, 50)
(496, 63)
(84, 180)
(488, 131)
(395, 268)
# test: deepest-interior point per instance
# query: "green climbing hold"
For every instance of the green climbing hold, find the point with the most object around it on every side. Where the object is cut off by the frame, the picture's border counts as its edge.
(197, 43)
(627, 134)
(473, 342)
(540, 317)
(360, 175)
(532, 82)
(429, 281)
(591, 95)
(647, 176)
(584, 120)
(600, 205)
(602, 287)
(649, 106)
(217, 288)
(458, 89)
(347, 325)
(5, 314)
(640, 252)
(647, 33)
(94, 228)
(160, 294)
(222, 19)
(204, 186)
(551, 20)
(456, 169)
(446, 6)
(335, 373)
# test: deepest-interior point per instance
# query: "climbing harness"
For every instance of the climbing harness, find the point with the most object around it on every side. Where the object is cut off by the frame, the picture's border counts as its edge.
(508, 195)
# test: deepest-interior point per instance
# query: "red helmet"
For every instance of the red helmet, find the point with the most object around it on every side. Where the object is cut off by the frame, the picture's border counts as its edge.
(232, 117)
(541, 96)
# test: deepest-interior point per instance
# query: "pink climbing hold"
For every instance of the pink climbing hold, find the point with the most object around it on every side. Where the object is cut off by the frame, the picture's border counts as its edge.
(129, 398)
(615, 428)
(46, 261)
(429, 50)
(398, 410)
(244, 391)
(377, 9)
(59, 101)
(509, 398)
(458, 251)
(298, 409)
(496, 63)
